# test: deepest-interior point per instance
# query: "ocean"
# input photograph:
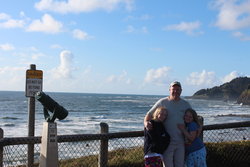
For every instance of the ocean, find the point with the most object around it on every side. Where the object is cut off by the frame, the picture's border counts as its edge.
(86, 112)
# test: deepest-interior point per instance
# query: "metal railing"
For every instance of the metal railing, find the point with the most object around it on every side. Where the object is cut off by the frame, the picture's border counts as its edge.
(113, 149)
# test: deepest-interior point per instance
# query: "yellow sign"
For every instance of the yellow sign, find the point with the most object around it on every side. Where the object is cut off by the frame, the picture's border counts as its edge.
(35, 74)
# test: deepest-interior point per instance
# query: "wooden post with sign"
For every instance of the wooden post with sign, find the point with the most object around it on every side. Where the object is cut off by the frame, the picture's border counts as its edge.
(33, 84)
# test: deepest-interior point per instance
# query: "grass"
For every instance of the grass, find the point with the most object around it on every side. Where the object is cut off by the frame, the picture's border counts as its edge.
(224, 154)
(228, 154)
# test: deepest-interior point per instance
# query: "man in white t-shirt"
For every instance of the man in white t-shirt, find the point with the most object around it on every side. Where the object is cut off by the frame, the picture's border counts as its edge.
(176, 106)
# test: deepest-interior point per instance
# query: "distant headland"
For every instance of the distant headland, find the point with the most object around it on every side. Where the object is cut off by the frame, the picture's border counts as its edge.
(236, 90)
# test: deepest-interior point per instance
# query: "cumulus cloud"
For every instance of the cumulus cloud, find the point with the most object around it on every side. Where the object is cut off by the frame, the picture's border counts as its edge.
(77, 6)
(229, 77)
(204, 78)
(190, 28)
(233, 14)
(6, 47)
(65, 69)
(7, 22)
(157, 76)
(81, 35)
(47, 24)
(119, 78)
(12, 24)
(4, 16)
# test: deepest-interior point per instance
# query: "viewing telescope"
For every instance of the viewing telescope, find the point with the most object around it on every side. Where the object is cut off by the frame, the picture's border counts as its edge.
(51, 105)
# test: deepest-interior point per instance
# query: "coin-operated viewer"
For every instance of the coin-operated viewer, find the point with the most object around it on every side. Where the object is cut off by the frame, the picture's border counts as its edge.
(49, 146)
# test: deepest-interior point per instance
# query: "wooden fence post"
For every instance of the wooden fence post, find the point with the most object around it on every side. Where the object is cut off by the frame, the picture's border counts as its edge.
(103, 156)
(1, 148)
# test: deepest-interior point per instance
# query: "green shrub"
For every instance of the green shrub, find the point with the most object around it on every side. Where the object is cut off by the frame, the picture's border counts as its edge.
(223, 154)
(228, 154)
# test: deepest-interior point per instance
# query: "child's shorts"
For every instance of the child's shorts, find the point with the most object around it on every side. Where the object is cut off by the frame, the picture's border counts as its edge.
(155, 161)
(197, 158)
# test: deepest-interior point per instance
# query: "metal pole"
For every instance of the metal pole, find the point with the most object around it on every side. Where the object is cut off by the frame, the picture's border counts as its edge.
(31, 124)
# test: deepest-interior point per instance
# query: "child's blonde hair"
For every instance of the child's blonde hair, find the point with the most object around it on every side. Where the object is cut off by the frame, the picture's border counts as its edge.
(158, 111)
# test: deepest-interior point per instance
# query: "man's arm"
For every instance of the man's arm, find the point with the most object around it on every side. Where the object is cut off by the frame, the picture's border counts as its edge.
(147, 124)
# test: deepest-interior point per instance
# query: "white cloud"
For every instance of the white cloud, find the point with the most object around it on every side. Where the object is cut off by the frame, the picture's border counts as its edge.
(12, 78)
(144, 17)
(190, 28)
(47, 24)
(79, 34)
(11, 23)
(77, 6)
(158, 76)
(26, 56)
(22, 14)
(65, 69)
(36, 56)
(119, 78)
(6, 47)
(230, 76)
(204, 79)
(132, 29)
(56, 46)
(233, 14)
(4, 16)
(87, 70)
(241, 36)
(7, 22)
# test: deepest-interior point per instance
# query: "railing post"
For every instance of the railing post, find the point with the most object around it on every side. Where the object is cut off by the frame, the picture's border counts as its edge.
(103, 156)
(201, 120)
(1, 148)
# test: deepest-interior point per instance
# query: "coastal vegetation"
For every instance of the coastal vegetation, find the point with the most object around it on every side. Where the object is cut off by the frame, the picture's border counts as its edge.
(235, 90)
(244, 97)
(225, 154)
(222, 154)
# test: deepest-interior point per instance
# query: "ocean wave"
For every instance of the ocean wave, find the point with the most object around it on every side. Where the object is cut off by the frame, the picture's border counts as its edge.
(12, 118)
(233, 115)
(10, 125)
(124, 100)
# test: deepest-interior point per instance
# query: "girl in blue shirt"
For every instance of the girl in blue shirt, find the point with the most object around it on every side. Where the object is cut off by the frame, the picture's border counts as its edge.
(194, 147)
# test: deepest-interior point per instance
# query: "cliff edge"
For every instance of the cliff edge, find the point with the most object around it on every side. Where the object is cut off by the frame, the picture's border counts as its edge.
(232, 90)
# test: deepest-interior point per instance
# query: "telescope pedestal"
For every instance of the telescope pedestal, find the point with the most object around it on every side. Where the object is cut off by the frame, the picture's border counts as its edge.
(49, 147)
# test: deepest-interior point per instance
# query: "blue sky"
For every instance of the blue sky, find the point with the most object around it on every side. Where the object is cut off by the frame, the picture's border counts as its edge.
(124, 46)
